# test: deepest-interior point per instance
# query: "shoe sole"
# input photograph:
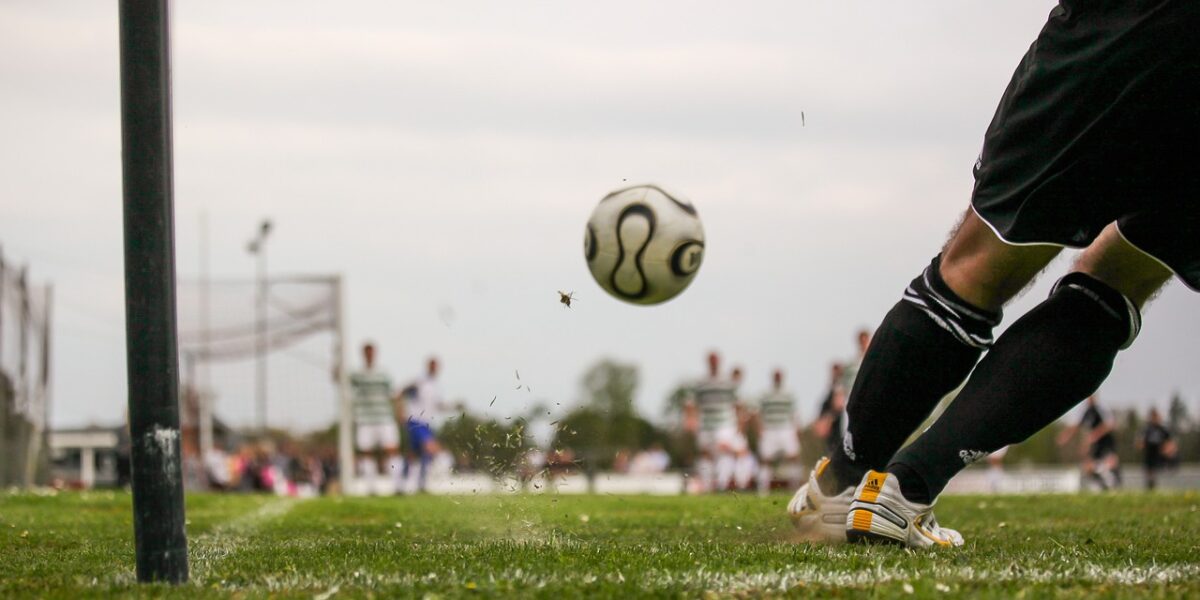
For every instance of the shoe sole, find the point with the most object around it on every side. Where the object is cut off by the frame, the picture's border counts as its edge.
(856, 536)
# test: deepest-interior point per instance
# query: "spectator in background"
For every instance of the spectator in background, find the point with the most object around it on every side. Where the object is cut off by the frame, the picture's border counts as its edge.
(1157, 446)
(651, 461)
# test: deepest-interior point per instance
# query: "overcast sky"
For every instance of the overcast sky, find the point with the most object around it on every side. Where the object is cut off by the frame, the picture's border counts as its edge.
(444, 157)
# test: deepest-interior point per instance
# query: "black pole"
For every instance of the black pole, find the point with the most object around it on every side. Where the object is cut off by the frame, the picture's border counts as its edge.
(150, 343)
(260, 351)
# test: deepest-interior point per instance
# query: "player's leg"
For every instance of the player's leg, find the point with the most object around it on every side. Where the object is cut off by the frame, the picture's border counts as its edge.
(365, 444)
(386, 438)
(1113, 463)
(706, 470)
(766, 467)
(769, 453)
(744, 468)
(1088, 473)
(788, 463)
(706, 461)
(726, 458)
(725, 465)
(928, 343)
(1047, 362)
(429, 449)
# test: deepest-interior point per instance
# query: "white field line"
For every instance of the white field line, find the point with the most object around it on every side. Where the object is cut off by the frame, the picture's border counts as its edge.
(743, 581)
(699, 579)
(226, 539)
(219, 544)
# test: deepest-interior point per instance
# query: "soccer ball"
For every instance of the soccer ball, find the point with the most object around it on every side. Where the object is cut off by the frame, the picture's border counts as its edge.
(643, 244)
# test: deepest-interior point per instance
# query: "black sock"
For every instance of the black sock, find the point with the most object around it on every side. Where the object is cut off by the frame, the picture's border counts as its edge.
(911, 485)
(1048, 361)
(924, 348)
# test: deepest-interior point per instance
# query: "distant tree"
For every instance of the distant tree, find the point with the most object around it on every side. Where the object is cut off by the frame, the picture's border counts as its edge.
(1178, 419)
(491, 446)
(606, 421)
(1127, 433)
(673, 409)
(1041, 449)
(608, 387)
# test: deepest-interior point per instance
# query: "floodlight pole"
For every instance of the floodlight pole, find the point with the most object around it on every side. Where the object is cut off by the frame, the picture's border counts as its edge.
(150, 337)
(258, 247)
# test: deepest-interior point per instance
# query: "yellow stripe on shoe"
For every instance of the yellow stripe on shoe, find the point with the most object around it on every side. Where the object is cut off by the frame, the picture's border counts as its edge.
(861, 520)
(872, 486)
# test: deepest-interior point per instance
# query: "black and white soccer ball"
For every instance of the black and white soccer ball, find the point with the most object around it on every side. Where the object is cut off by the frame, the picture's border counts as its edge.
(644, 244)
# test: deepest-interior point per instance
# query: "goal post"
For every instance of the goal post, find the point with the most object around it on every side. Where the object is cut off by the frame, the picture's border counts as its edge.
(160, 541)
(345, 413)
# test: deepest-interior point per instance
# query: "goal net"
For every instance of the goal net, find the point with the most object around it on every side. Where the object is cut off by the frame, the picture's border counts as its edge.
(255, 354)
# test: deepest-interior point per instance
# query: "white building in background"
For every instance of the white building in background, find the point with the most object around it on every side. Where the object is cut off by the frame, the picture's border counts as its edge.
(86, 458)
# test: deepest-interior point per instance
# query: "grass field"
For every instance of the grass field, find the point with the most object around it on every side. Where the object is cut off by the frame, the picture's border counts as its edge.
(79, 545)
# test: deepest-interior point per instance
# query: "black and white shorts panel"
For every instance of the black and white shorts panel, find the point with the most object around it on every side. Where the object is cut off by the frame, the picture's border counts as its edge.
(1101, 124)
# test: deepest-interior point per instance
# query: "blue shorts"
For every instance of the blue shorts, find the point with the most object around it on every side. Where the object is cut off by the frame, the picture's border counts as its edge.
(419, 433)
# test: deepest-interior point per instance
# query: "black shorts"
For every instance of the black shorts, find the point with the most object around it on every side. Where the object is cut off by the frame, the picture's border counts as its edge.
(1102, 448)
(1101, 123)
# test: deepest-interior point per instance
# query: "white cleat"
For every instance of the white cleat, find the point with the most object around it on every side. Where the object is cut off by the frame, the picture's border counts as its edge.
(880, 513)
(816, 516)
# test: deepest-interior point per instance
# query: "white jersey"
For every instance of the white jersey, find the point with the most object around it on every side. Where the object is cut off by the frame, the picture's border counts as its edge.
(716, 401)
(424, 406)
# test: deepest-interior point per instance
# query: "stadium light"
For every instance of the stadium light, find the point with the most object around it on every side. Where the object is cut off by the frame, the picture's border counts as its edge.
(150, 335)
(258, 247)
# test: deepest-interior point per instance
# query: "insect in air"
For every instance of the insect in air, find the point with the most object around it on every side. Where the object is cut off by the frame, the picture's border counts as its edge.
(566, 298)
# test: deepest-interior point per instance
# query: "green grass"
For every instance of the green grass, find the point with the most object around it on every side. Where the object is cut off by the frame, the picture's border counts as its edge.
(80, 545)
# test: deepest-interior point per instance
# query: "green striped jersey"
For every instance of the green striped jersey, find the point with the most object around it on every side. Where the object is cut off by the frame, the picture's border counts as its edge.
(777, 410)
(716, 401)
(372, 398)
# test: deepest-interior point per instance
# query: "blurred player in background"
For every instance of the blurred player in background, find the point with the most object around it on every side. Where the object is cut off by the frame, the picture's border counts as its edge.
(422, 407)
(1100, 461)
(862, 340)
(745, 464)
(1157, 446)
(830, 423)
(375, 427)
(995, 473)
(778, 435)
(711, 407)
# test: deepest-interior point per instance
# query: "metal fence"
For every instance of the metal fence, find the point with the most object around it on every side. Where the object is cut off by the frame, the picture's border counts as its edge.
(24, 377)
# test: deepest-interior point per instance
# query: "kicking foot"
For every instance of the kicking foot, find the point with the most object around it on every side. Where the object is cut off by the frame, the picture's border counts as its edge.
(880, 513)
(816, 516)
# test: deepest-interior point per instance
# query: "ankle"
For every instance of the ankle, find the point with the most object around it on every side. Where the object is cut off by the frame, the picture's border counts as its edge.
(840, 475)
(912, 486)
